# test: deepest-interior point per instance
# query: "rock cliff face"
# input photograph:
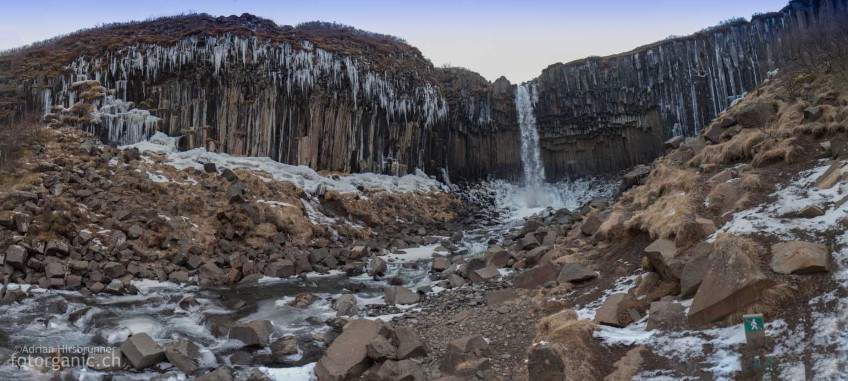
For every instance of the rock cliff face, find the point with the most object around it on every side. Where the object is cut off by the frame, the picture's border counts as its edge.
(380, 108)
(599, 115)
(338, 99)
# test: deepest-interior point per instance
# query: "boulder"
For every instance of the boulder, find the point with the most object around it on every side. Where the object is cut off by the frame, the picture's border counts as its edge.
(674, 142)
(812, 113)
(54, 270)
(347, 357)
(280, 269)
(303, 300)
(484, 275)
(666, 315)
(810, 211)
(253, 334)
(210, 273)
(536, 277)
(184, 355)
(608, 313)
(714, 131)
(830, 177)
(358, 252)
(662, 254)
(142, 352)
(284, 346)
(400, 295)
(210, 168)
(573, 273)
(441, 264)
(545, 364)
(406, 370)
(228, 175)
(634, 177)
(16, 256)
(591, 225)
(694, 270)
(377, 267)
(56, 248)
(528, 242)
(755, 115)
(409, 343)
(345, 305)
(455, 281)
(220, 374)
(463, 356)
(534, 257)
(797, 257)
(114, 270)
(235, 193)
(497, 257)
(707, 226)
(732, 282)
(381, 349)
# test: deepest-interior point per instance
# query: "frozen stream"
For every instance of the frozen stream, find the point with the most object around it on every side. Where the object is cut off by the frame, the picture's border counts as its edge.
(107, 320)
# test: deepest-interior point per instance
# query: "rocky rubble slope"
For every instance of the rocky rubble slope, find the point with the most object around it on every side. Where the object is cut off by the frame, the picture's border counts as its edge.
(82, 216)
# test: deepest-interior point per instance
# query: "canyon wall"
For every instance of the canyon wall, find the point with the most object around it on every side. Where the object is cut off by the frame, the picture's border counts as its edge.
(336, 100)
(600, 115)
(333, 108)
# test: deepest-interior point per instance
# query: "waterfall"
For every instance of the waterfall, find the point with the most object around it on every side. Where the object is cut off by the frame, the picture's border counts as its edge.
(531, 158)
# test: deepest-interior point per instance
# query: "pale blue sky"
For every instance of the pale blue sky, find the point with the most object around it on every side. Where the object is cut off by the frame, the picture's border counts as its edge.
(513, 38)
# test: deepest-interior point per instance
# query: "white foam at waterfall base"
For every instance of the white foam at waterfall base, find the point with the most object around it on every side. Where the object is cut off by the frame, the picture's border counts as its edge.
(523, 201)
(302, 176)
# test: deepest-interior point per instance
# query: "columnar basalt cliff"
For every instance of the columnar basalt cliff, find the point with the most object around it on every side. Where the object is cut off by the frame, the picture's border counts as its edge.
(338, 99)
(600, 115)
(300, 98)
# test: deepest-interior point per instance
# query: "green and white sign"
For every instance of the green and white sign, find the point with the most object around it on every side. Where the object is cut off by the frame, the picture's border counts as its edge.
(753, 323)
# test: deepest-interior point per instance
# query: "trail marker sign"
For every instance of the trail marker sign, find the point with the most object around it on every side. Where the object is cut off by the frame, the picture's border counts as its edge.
(755, 331)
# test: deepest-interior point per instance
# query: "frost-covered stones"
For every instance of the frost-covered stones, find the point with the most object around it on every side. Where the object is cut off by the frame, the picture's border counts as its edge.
(797, 257)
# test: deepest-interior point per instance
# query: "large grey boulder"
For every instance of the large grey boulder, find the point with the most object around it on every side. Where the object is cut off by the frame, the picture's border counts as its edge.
(254, 333)
(797, 257)
(142, 352)
(732, 282)
(347, 357)
(400, 295)
(184, 355)
(574, 272)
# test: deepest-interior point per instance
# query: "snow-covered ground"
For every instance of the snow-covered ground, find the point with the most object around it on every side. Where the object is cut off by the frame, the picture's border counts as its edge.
(302, 176)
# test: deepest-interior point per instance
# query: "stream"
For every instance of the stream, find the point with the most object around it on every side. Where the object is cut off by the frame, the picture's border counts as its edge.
(38, 324)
